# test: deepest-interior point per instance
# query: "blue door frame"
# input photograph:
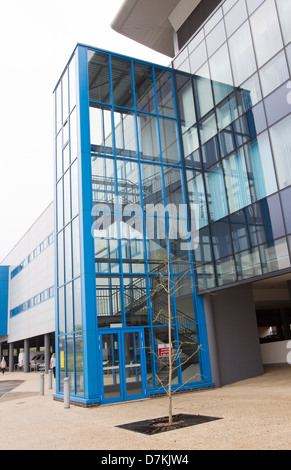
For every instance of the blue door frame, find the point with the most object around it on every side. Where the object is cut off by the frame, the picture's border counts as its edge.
(120, 372)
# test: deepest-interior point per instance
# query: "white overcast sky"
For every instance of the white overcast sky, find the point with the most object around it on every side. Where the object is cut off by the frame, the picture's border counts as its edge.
(36, 39)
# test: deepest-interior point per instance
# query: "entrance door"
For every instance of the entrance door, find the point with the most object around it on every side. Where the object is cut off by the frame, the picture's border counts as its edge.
(123, 364)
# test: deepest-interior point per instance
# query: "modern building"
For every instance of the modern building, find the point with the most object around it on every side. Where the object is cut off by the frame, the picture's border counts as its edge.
(166, 178)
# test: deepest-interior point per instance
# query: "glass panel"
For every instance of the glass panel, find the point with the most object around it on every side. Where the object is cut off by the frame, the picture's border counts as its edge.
(203, 249)
(58, 104)
(60, 204)
(275, 256)
(101, 130)
(111, 372)
(226, 272)
(284, 8)
(242, 54)
(69, 308)
(216, 38)
(79, 364)
(274, 73)
(75, 188)
(281, 141)
(60, 259)
(77, 304)
(198, 57)
(251, 93)
(68, 253)
(221, 239)
(164, 86)
(236, 180)
(103, 182)
(121, 80)
(239, 230)
(148, 137)
(203, 91)
(260, 165)
(65, 85)
(173, 185)
(208, 128)
(189, 354)
(248, 264)
(161, 356)
(266, 32)
(62, 362)
(255, 224)
(61, 310)
(151, 184)
(235, 17)
(67, 197)
(76, 247)
(216, 195)
(273, 218)
(109, 308)
(286, 198)
(196, 196)
(59, 146)
(98, 77)
(73, 135)
(125, 134)
(183, 291)
(205, 277)
(221, 73)
(128, 183)
(133, 376)
(144, 88)
(70, 362)
(72, 83)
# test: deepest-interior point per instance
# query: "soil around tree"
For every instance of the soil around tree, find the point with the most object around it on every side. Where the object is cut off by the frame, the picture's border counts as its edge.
(158, 425)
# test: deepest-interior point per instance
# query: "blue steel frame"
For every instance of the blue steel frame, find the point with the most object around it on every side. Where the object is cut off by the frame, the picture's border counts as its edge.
(91, 334)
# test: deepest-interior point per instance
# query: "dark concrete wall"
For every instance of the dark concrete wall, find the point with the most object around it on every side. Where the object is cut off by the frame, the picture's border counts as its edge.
(233, 335)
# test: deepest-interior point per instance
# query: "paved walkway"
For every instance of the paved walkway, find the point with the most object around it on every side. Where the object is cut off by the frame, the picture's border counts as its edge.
(256, 415)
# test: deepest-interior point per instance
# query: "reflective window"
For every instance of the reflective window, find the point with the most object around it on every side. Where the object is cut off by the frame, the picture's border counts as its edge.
(285, 199)
(260, 165)
(144, 88)
(226, 271)
(281, 142)
(101, 130)
(221, 73)
(76, 247)
(273, 218)
(235, 17)
(198, 57)
(203, 91)
(239, 230)
(242, 54)
(196, 196)
(275, 256)
(151, 184)
(72, 83)
(121, 81)
(169, 141)
(61, 310)
(148, 137)
(256, 225)
(68, 253)
(103, 181)
(252, 92)
(67, 197)
(164, 86)
(216, 38)
(266, 32)
(248, 264)
(69, 308)
(274, 73)
(75, 188)
(284, 8)
(125, 133)
(221, 239)
(236, 180)
(216, 195)
(98, 77)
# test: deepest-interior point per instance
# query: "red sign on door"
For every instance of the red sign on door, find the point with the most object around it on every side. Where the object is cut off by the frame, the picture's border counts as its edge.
(164, 350)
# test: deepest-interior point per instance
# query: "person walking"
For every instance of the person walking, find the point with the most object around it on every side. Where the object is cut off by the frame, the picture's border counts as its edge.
(53, 364)
(3, 365)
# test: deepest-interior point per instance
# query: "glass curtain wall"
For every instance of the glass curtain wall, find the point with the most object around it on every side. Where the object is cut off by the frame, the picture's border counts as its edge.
(140, 213)
(69, 342)
(235, 125)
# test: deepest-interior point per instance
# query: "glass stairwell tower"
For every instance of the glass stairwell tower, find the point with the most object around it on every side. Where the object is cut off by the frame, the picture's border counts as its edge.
(121, 210)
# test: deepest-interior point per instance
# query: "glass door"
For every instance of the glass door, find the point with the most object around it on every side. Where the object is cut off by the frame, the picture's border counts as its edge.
(123, 365)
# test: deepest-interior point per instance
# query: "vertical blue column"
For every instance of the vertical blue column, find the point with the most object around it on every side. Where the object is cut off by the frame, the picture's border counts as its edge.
(4, 285)
(88, 282)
